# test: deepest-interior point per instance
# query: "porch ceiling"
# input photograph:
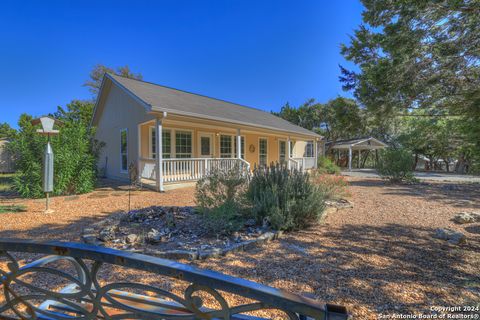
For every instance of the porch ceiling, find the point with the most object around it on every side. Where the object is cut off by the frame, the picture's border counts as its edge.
(224, 127)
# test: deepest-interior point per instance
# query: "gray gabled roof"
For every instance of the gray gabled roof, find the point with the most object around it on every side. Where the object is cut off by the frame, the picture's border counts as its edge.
(165, 99)
(343, 144)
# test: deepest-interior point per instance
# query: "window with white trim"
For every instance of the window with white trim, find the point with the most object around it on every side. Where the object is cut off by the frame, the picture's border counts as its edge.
(309, 150)
(226, 146)
(282, 151)
(183, 144)
(124, 150)
(262, 152)
(166, 143)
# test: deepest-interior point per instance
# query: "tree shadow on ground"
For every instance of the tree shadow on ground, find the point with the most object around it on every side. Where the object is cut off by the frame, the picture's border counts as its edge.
(461, 195)
(384, 269)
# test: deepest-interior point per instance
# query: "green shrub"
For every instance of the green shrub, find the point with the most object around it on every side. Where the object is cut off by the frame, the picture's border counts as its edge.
(287, 199)
(12, 208)
(333, 187)
(325, 165)
(219, 187)
(224, 219)
(220, 197)
(75, 155)
(396, 165)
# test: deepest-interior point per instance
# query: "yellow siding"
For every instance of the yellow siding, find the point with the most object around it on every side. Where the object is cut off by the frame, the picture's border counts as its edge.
(119, 110)
(250, 139)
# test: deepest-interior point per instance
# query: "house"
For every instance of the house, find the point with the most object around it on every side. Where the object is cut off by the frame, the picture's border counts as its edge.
(6, 158)
(171, 135)
(423, 163)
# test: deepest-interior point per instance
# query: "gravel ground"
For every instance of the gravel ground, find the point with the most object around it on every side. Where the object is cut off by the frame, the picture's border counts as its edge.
(421, 175)
(377, 258)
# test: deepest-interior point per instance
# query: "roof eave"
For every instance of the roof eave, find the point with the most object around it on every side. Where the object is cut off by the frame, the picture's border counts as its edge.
(201, 116)
(152, 108)
(148, 107)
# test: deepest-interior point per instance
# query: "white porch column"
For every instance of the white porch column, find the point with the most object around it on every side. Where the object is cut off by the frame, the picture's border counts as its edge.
(289, 152)
(239, 145)
(316, 153)
(350, 158)
(359, 156)
(159, 155)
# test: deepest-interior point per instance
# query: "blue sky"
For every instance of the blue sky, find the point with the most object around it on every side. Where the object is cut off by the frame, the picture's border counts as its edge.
(257, 53)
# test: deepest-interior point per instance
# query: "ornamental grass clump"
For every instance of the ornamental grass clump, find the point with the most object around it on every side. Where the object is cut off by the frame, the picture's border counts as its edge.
(285, 198)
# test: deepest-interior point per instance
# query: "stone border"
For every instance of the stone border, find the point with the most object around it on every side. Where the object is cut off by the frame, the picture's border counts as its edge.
(90, 236)
(216, 252)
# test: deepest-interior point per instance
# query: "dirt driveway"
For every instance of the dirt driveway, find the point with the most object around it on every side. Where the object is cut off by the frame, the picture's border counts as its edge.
(377, 258)
(420, 175)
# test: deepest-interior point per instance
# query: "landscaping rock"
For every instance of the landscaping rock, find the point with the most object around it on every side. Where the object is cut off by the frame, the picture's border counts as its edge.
(267, 236)
(154, 236)
(88, 231)
(180, 254)
(90, 239)
(467, 217)
(451, 236)
(131, 238)
(233, 248)
(176, 233)
(212, 253)
(339, 204)
(107, 234)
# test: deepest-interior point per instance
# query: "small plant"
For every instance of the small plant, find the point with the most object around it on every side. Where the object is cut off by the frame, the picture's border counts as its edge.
(325, 165)
(396, 165)
(287, 199)
(12, 208)
(6, 182)
(333, 187)
(224, 219)
(220, 197)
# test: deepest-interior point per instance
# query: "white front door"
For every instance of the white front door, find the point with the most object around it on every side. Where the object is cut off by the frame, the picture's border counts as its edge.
(205, 145)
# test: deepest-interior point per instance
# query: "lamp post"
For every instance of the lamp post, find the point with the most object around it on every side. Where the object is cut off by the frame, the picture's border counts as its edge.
(47, 129)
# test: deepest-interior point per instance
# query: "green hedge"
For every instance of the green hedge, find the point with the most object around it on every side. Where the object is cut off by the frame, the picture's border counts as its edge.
(287, 199)
(396, 165)
(75, 155)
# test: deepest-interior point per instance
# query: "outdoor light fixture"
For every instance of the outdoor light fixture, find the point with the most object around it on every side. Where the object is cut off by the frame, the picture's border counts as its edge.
(47, 129)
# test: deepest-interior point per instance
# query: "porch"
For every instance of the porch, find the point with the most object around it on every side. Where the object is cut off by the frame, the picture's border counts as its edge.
(189, 151)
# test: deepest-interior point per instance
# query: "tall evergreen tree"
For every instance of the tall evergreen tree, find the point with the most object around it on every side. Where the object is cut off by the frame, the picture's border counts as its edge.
(419, 55)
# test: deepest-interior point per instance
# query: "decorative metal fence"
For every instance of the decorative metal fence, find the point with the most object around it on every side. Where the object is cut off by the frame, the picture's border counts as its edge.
(86, 296)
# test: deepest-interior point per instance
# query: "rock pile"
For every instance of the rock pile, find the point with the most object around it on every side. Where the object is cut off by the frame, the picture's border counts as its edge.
(467, 217)
(451, 236)
(150, 214)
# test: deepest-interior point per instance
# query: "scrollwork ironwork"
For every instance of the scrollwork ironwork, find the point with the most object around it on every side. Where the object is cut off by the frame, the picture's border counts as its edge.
(85, 298)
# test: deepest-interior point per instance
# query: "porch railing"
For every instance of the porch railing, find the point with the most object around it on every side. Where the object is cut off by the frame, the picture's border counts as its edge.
(189, 169)
(303, 163)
